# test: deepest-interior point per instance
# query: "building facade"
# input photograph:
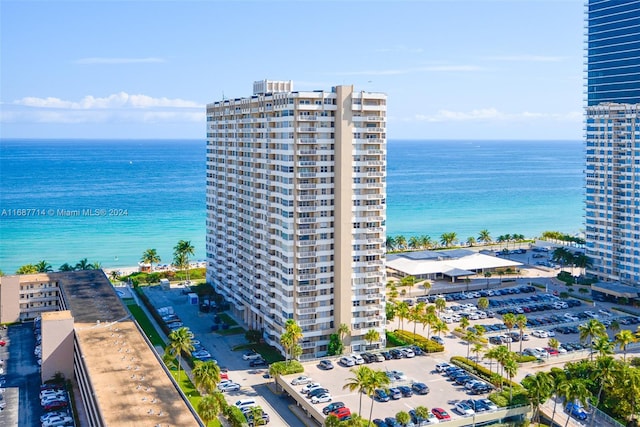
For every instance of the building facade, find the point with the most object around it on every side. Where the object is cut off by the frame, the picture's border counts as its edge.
(27, 297)
(612, 208)
(296, 210)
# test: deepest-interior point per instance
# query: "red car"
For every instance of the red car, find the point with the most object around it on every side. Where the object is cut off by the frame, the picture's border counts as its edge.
(552, 351)
(224, 374)
(2, 343)
(440, 414)
(58, 404)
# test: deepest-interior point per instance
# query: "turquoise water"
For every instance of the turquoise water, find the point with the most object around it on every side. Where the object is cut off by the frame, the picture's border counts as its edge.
(150, 194)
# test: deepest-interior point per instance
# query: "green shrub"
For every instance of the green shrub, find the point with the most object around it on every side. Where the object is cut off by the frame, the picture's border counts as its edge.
(480, 371)
(286, 368)
(235, 416)
(525, 358)
(404, 338)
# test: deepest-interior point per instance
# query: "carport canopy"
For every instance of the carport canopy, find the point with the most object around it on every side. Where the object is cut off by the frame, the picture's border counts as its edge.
(616, 289)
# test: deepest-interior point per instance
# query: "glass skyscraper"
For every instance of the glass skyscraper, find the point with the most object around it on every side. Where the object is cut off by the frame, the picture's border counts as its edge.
(612, 130)
(613, 51)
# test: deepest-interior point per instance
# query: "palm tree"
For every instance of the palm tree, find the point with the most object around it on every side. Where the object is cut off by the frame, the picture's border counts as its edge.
(488, 275)
(484, 236)
(447, 239)
(44, 267)
(574, 389)
(464, 323)
(477, 349)
(332, 421)
(553, 343)
(539, 388)
(521, 323)
(402, 311)
(209, 408)
(483, 303)
(371, 336)
(603, 346)
(469, 337)
(181, 252)
(27, 269)
(179, 344)
(426, 242)
(511, 369)
(501, 355)
(422, 412)
(440, 327)
(416, 313)
(408, 281)
(391, 243)
(605, 367)
(206, 375)
(378, 379)
(471, 241)
(401, 242)
(426, 285)
(150, 256)
(290, 338)
(359, 382)
(623, 339)
(509, 320)
(559, 378)
(66, 267)
(115, 275)
(342, 331)
(414, 242)
(591, 330)
(84, 264)
(440, 304)
(97, 265)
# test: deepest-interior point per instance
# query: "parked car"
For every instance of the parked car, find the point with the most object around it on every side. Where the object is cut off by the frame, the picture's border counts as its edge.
(405, 390)
(332, 407)
(317, 392)
(394, 393)
(576, 411)
(324, 397)
(302, 379)
(230, 386)
(408, 353)
(489, 404)
(325, 364)
(310, 386)
(391, 422)
(57, 421)
(347, 361)
(420, 388)
(258, 362)
(381, 395)
(396, 354)
(357, 358)
(463, 409)
(342, 413)
(440, 414)
(251, 355)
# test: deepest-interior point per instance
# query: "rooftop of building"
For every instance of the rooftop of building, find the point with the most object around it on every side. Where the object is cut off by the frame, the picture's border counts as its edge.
(131, 385)
(453, 263)
(616, 289)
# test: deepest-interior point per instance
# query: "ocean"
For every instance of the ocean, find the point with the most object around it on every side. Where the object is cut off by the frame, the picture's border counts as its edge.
(110, 200)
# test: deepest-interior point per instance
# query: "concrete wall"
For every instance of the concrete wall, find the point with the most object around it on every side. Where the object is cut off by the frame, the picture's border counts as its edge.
(9, 299)
(57, 344)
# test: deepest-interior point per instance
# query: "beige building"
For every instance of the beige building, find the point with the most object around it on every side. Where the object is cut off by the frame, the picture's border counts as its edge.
(27, 297)
(296, 210)
(94, 341)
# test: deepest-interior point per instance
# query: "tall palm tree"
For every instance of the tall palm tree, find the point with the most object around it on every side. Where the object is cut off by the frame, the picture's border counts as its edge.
(440, 304)
(342, 331)
(539, 388)
(501, 355)
(469, 337)
(559, 378)
(574, 389)
(150, 256)
(391, 243)
(471, 241)
(623, 339)
(206, 375)
(591, 330)
(416, 314)
(440, 327)
(414, 242)
(603, 346)
(290, 338)
(44, 267)
(521, 323)
(509, 320)
(426, 285)
(511, 369)
(402, 311)
(408, 281)
(179, 344)
(464, 323)
(359, 382)
(484, 236)
(209, 408)
(115, 275)
(603, 374)
(181, 252)
(477, 349)
(401, 242)
(426, 242)
(378, 379)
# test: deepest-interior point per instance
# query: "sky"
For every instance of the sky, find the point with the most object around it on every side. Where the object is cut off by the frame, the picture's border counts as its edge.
(483, 69)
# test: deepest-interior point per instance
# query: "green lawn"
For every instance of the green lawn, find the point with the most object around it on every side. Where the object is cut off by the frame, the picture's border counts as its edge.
(269, 353)
(190, 391)
(227, 319)
(231, 331)
(146, 325)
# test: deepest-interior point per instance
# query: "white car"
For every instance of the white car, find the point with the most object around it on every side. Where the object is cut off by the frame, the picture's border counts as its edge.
(492, 406)
(357, 358)
(408, 353)
(591, 314)
(605, 312)
(570, 317)
(250, 355)
(309, 387)
(51, 393)
(49, 415)
(222, 383)
(231, 386)
(57, 421)
(325, 397)
(463, 409)
(347, 361)
(540, 334)
(303, 379)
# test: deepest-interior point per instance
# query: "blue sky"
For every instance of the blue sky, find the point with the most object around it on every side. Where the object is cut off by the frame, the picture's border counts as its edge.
(484, 69)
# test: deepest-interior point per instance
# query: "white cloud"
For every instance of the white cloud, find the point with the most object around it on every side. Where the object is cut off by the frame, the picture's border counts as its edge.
(525, 58)
(91, 61)
(118, 107)
(117, 100)
(492, 114)
(410, 70)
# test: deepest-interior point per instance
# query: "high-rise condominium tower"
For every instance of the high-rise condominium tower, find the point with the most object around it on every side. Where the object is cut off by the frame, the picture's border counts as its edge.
(613, 139)
(296, 211)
